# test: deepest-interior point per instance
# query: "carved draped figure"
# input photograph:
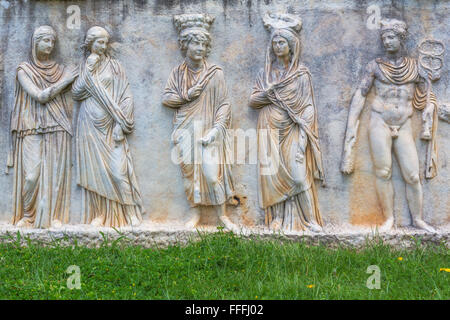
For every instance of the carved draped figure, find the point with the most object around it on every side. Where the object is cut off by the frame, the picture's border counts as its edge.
(192, 121)
(40, 148)
(289, 155)
(104, 166)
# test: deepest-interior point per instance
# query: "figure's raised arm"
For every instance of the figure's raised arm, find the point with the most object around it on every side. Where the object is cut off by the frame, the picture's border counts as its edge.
(44, 96)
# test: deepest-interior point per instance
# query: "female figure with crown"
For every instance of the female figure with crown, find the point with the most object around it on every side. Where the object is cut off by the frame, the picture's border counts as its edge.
(197, 91)
(289, 154)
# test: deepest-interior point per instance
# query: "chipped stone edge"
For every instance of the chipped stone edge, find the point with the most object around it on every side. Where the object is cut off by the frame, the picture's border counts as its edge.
(402, 238)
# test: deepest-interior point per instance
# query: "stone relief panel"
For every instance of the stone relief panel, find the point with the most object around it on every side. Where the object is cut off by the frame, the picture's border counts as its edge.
(401, 85)
(128, 154)
(289, 152)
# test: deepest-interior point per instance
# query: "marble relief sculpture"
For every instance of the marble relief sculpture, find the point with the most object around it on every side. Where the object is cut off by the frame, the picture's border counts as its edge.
(289, 153)
(41, 131)
(105, 172)
(401, 84)
(197, 92)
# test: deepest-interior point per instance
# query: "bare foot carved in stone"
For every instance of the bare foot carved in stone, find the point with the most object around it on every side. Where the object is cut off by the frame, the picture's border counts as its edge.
(97, 222)
(419, 223)
(276, 224)
(193, 221)
(387, 225)
(56, 224)
(314, 227)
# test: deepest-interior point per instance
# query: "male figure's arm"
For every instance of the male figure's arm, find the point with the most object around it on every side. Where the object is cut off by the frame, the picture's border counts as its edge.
(356, 107)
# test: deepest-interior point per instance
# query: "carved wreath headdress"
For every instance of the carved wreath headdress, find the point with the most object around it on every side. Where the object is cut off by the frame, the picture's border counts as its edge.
(397, 26)
(192, 23)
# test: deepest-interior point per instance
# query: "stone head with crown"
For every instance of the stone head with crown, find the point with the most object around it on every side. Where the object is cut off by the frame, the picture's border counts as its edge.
(193, 34)
(285, 38)
(284, 29)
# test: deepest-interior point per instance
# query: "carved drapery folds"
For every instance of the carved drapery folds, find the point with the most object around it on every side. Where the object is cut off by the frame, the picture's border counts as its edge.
(197, 91)
(289, 152)
(105, 171)
(41, 133)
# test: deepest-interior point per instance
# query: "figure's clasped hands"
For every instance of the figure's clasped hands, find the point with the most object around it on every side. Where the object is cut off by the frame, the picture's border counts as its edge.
(118, 135)
(70, 74)
(270, 89)
(92, 61)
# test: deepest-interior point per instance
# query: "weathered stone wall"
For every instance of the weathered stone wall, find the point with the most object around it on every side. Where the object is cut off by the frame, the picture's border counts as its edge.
(336, 46)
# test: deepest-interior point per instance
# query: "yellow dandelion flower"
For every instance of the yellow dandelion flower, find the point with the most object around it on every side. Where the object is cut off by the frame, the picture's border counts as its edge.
(256, 297)
(400, 258)
(445, 269)
(310, 286)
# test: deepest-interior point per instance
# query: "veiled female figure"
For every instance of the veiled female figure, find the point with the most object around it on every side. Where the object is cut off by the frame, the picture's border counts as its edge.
(41, 133)
(105, 171)
(288, 145)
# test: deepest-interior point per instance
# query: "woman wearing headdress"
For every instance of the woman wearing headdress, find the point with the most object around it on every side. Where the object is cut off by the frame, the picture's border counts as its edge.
(41, 133)
(288, 144)
(111, 195)
(197, 91)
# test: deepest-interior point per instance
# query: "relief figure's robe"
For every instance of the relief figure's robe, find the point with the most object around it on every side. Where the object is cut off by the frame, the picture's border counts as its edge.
(192, 121)
(104, 166)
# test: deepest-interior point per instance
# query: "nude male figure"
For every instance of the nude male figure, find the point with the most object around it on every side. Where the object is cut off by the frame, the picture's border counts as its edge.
(395, 80)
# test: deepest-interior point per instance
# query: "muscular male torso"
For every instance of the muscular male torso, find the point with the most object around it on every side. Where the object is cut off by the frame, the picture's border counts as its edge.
(392, 102)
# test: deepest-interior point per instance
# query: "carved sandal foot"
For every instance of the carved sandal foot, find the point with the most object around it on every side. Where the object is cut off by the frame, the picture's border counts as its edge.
(135, 221)
(314, 227)
(387, 225)
(193, 222)
(227, 223)
(419, 223)
(23, 223)
(56, 224)
(276, 225)
(97, 222)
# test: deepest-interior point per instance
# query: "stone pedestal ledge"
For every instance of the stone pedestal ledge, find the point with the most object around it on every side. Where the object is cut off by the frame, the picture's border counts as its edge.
(151, 235)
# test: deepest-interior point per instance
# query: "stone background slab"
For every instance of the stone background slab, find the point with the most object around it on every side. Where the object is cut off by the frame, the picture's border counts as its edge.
(336, 46)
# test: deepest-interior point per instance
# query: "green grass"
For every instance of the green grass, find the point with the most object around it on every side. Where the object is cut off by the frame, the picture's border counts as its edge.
(223, 266)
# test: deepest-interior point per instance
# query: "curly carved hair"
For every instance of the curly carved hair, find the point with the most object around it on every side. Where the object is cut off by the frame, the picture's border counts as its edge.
(197, 35)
